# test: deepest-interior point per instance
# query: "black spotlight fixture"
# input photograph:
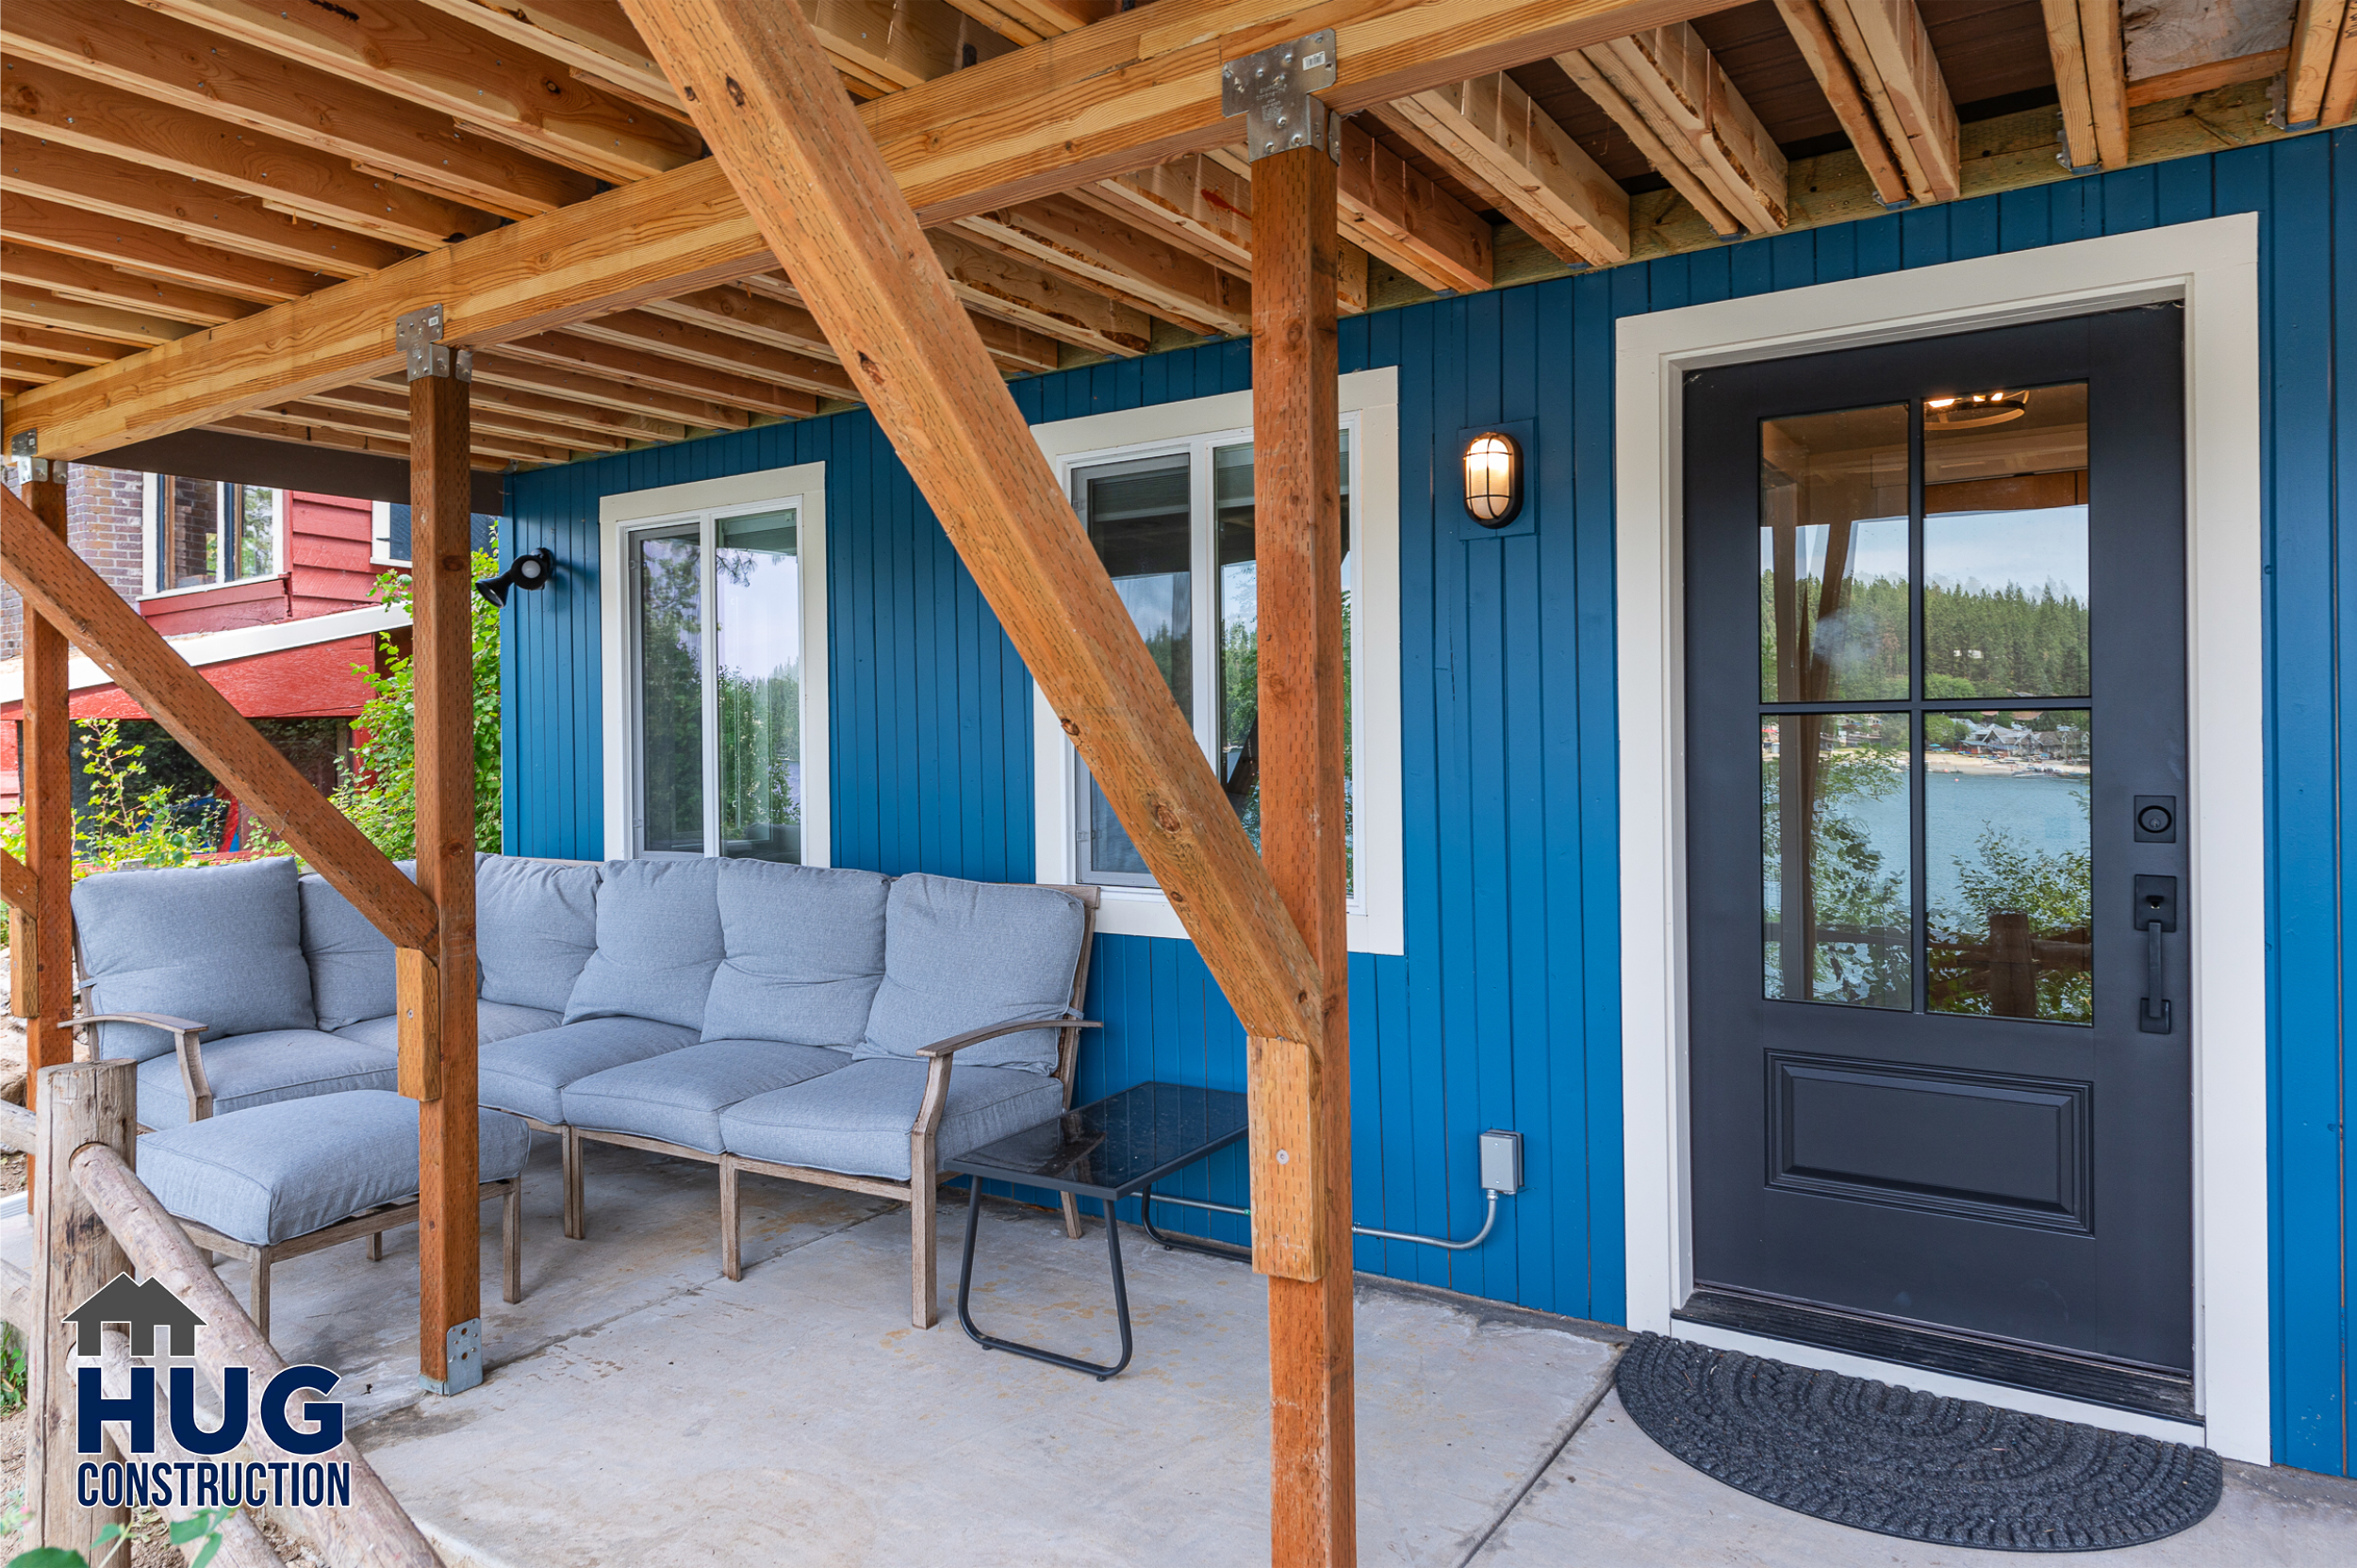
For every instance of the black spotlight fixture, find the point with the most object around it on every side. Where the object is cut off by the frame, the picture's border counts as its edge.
(530, 573)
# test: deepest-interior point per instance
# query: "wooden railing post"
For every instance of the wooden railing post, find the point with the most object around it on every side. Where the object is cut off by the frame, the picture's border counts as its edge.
(437, 988)
(81, 1102)
(46, 765)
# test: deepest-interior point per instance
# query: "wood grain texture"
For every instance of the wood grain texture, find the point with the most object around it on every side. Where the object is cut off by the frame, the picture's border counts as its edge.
(1115, 255)
(417, 1006)
(58, 585)
(754, 80)
(1846, 94)
(1394, 212)
(1890, 52)
(19, 887)
(2315, 42)
(1667, 90)
(450, 1288)
(1550, 186)
(45, 764)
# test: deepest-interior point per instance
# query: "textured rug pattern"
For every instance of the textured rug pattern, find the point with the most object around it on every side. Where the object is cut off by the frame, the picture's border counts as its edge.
(1904, 1463)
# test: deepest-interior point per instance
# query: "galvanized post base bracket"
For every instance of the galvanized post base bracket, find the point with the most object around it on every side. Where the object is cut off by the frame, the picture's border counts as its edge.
(462, 1352)
(418, 336)
(1272, 90)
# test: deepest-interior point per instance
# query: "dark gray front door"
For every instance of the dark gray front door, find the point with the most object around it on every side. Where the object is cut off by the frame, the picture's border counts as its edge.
(1935, 765)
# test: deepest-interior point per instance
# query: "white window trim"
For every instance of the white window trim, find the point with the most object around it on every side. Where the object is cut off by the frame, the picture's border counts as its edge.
(2213, 267)
(282, 526)
(381, 535)
(802, 488)
(1377, 921)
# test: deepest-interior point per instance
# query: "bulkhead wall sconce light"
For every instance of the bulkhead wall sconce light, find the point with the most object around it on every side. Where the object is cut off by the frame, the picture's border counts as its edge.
(1493, 478)
(530, 573)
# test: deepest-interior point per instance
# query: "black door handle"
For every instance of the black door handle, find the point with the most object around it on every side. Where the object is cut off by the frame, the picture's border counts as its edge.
(2156, 912)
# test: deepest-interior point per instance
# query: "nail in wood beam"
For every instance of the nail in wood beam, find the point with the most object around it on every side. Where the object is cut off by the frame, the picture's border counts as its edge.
(438, 995)
(45, 763)
(2091, 78)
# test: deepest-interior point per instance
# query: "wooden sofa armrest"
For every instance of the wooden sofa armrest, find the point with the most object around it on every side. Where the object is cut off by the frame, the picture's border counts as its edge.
(184, 1033)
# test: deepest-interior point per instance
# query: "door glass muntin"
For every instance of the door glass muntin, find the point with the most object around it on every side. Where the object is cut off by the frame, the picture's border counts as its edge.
(1923, 552)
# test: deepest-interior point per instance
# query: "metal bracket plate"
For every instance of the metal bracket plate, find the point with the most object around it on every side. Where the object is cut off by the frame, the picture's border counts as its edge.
(1272, 90)
(462, 1357)
(418, 336)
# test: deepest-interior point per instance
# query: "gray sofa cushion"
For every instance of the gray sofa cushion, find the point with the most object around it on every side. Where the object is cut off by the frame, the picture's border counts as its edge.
(658, 943)
(494, 1021)
(805, 953)
(222, 944)
(962, 955)
(529, 1073)
(535, 925)
(352, 962)
(678, 1096)
(857, 1120)
(247, 1070)
(280, 1171)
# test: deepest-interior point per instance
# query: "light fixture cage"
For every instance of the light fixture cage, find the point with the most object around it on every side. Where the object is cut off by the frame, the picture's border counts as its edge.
(1493, 478)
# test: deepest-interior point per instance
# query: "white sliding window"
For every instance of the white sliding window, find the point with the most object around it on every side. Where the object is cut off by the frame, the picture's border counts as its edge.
(202, 533)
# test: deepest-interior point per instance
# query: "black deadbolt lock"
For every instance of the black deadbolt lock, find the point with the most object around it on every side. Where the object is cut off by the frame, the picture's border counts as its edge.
(2156, 819)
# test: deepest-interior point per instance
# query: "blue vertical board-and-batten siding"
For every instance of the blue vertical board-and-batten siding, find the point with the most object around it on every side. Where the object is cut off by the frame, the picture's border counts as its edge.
(1504, 1010)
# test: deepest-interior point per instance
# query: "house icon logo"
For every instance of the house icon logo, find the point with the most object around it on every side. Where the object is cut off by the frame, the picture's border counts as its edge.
(187, 1469)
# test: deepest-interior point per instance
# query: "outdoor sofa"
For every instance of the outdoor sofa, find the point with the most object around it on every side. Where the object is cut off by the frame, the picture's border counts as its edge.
(781, 1019)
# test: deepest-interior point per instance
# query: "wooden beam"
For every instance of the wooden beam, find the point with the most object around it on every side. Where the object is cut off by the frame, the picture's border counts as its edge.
(1888, 53)
(1031, 297)
(58, 585)
(124, 191)
(1846, 94)
(1300, 1089)
(653, 373)
(486, 416)
(46, 759)
(561, 378)
(487, 398)
(590, 37)
(329, 412)
(75, 278)
(2316, 29)
(1068, 236)
(1398, 214)
(283, 175)
(2091, 78)
(766, 309)
(36, 308)
(442, 591)
(645, 333)
(1664, 88)
(826, 201)
(1138, 87)
(70, 346)
(1552, 188)
(1204, 205)
(147, 56)
(2207, 78)
(113, 242)
(1031, 21)
(26, 368)
(479, 81)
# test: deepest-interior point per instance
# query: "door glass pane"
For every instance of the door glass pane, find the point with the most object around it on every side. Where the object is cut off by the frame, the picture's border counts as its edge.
(2005, 543)
(188, 532)
(667, 592)
(1837, 897)
(253, 531)
(2008, 863)
(1832, 555)
(757, 650)
(1138, 518)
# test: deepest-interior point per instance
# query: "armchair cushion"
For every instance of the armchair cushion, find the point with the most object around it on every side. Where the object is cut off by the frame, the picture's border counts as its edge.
(678, 1096)
(658, 944)
(535, 925)
(262, 1069)
(857, 1120)
(805, 952)
(219, 944)
(961, 955)
(351, 961)
(528, 1074)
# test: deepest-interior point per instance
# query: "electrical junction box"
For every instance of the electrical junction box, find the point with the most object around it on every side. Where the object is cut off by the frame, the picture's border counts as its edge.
(1502, 1161)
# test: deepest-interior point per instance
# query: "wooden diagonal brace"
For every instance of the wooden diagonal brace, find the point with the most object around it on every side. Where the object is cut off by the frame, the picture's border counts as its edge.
(61, 586)
(18, 888)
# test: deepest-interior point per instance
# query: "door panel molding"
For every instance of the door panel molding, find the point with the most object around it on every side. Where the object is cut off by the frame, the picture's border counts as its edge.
(2212, 268)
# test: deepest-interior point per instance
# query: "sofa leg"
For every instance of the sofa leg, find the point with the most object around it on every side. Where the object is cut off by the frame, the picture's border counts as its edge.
(732, 1251)
(258, 1270)
(512, 1241)
(924, 1198)
(576, 1205)
(376, 1247)
(1072, 1216)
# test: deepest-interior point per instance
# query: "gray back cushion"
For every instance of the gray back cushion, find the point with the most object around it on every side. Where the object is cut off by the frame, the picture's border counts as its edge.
(222, 944)
(352, 962)
(658, 943)
(535, 924)
(805, 953)
(965, 955)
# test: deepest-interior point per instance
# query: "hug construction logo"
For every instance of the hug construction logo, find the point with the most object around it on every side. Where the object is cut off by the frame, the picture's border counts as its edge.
(195, 1477)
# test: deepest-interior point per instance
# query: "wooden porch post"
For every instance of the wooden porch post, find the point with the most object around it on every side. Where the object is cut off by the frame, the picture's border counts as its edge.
(46, 759)
(1297, 491)
(438, 987)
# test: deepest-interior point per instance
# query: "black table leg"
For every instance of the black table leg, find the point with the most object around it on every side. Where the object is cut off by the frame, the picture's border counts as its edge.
(966, 1286)
(1204, 1245)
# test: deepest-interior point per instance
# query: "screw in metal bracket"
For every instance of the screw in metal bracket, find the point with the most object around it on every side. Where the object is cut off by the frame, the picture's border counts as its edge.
(418, 336)
(1273, 90)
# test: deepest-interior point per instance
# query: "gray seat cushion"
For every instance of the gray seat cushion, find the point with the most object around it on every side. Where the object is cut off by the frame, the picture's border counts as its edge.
(658, 943)
(280, 1171)
(247, 1070)
(529, 1073)
(678, 1096)
(857, 1120)
(352, 962)
(222, 944)
(493, 1021)
(535, 925)
(805, 953)
(962, 955)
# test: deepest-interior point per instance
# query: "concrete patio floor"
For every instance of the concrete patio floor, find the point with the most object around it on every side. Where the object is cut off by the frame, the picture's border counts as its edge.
(643, 1412)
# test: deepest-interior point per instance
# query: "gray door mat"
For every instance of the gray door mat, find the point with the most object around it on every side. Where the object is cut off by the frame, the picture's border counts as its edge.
(1900, 1462)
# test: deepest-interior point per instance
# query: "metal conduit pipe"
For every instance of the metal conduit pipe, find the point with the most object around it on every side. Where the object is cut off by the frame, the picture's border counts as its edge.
(1489, 1222)
(1501, 1173)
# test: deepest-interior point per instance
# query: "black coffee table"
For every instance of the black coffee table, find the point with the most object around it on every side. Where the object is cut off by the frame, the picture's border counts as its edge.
(1117, 1147)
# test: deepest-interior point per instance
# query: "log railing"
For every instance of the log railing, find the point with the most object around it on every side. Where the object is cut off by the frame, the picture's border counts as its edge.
(92, 1218)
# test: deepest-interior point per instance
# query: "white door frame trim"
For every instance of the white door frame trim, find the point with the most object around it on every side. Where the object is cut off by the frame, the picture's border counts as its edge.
(2212, 266)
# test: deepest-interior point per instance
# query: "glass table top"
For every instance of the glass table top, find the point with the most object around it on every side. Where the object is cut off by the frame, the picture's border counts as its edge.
(1116, 1145)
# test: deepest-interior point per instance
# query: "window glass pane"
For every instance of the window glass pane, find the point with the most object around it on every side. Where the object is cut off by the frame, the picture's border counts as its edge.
(1838, 900)
(188, 532)
(757, 626)
(1138, 518)
(666, 591)
(2008, 861)
(2005, 543)
(1832, 555)
(254, 531)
